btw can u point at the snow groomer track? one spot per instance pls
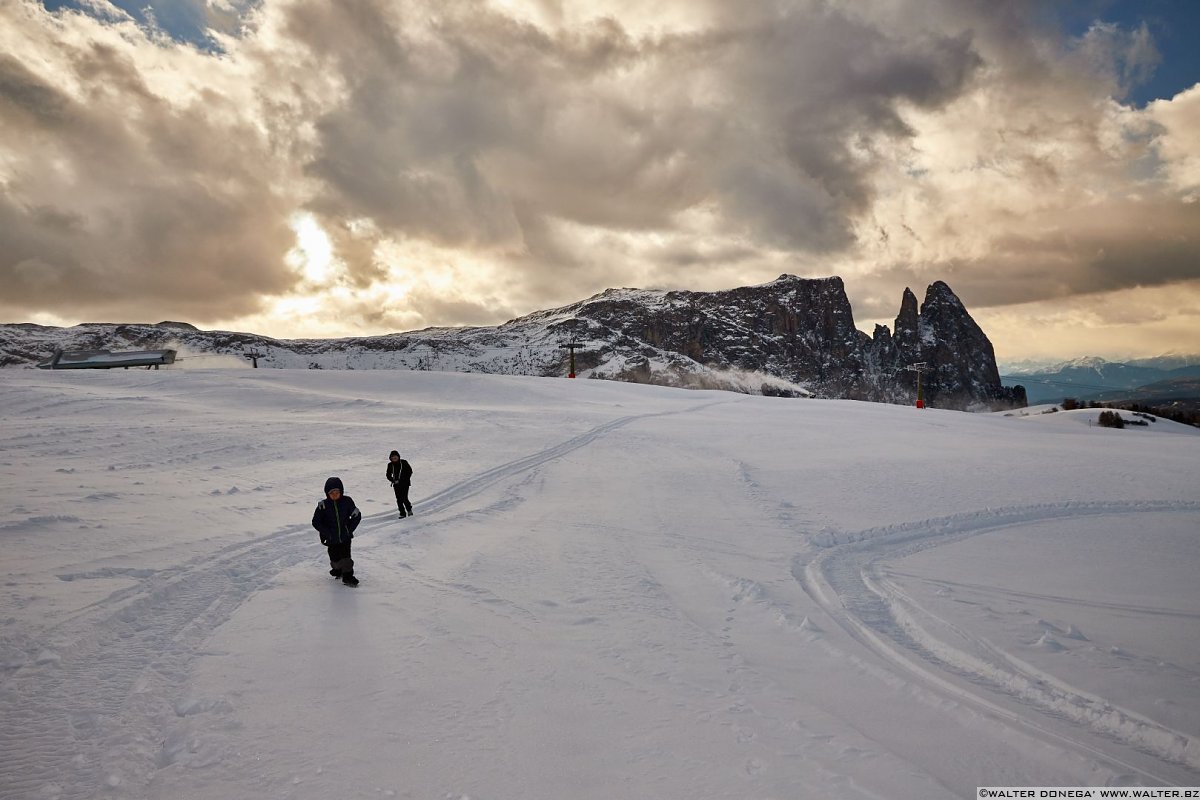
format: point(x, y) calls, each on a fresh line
point(849, 575)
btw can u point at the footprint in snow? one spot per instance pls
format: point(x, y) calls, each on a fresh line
point(1070, 633)
point(1049, 644)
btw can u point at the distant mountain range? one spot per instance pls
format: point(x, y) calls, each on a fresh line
point(1037, 366)
point(1171, 376)
point(792, 336)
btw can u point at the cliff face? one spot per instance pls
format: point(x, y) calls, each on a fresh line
point(799, 330)
point(789, 336)
point(803, 331)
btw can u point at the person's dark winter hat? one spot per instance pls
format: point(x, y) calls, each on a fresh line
point(395, 453)
point(334, 483)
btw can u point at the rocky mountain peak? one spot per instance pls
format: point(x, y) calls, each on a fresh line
point(938, 293)
point(960, 363)
point(906, 333)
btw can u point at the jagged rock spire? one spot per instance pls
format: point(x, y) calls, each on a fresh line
point(907, 334)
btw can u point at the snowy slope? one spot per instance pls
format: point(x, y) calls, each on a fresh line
point(608, 590)
point(530, 346)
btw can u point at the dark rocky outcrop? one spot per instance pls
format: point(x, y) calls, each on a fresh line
point(959, 364)
point(802, 330)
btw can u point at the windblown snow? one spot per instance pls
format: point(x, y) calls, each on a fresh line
point(607, 591)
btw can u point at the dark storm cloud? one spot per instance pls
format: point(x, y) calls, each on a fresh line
point(1121, 246)
point(118, 204)
point(437, 305)
point(822, 90)
point(445, 133)
point(27, 100)
point(1148, 244)
point(449, 128)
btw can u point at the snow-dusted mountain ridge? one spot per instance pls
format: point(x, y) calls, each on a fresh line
point(792, 336)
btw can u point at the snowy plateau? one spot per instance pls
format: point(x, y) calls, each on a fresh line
point(790, 337)
point(608, 590)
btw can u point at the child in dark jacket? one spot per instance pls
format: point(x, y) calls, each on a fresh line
point(335, 519)
point(399, 472)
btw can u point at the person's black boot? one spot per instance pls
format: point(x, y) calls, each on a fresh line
point(350, 580)
point(337, 573)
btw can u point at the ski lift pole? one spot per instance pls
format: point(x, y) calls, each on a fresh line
point(919, 368)
point(571, 329)
point(571, 347)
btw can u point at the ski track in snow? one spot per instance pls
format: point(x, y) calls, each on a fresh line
point(102, 679)
point(846, 575)
point(474, 485)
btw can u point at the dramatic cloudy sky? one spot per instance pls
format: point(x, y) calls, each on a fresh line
point(344, 167)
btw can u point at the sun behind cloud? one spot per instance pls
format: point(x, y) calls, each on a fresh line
point(312, 257)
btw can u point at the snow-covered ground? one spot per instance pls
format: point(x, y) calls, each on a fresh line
point(608, 591)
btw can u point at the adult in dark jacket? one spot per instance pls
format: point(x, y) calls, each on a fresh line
point(399, 472)
point(335, 519)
